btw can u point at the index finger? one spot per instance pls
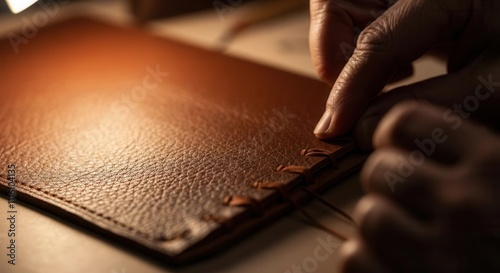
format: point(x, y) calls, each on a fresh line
point(402, 34)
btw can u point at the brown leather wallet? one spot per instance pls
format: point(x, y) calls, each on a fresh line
point(171, 149)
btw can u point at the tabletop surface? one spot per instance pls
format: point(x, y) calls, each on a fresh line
point(48, 244)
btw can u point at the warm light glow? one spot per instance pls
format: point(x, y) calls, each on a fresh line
point(17, 6)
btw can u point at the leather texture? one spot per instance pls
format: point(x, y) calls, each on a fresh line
point(141, 139)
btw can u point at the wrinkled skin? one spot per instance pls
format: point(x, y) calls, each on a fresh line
point(401, 34)
point(440, 215)
point(433, 208)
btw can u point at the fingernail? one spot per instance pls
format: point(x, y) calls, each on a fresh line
point(323, 124)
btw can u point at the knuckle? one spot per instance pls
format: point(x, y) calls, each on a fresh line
point(399, 120)
point(356, 62)
point(350, 254)
point(375, 37)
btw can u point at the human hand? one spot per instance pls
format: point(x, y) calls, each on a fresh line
point(404, 32)
point(432, 204)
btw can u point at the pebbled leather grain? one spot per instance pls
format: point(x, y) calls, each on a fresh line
point(141, 139)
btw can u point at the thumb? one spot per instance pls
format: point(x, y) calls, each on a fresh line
point(398, 37)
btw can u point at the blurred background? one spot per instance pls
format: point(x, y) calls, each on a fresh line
point(273, 32)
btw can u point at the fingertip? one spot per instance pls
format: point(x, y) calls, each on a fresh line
point(332, 125)
point(322, 128)
point(330, 133)
point(327, 128)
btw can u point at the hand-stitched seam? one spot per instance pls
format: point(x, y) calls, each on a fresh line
point(243, 201)
point(221, 220)
point(306, 173)
point(228, 200)
point(320, 153)
point(300, 170)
